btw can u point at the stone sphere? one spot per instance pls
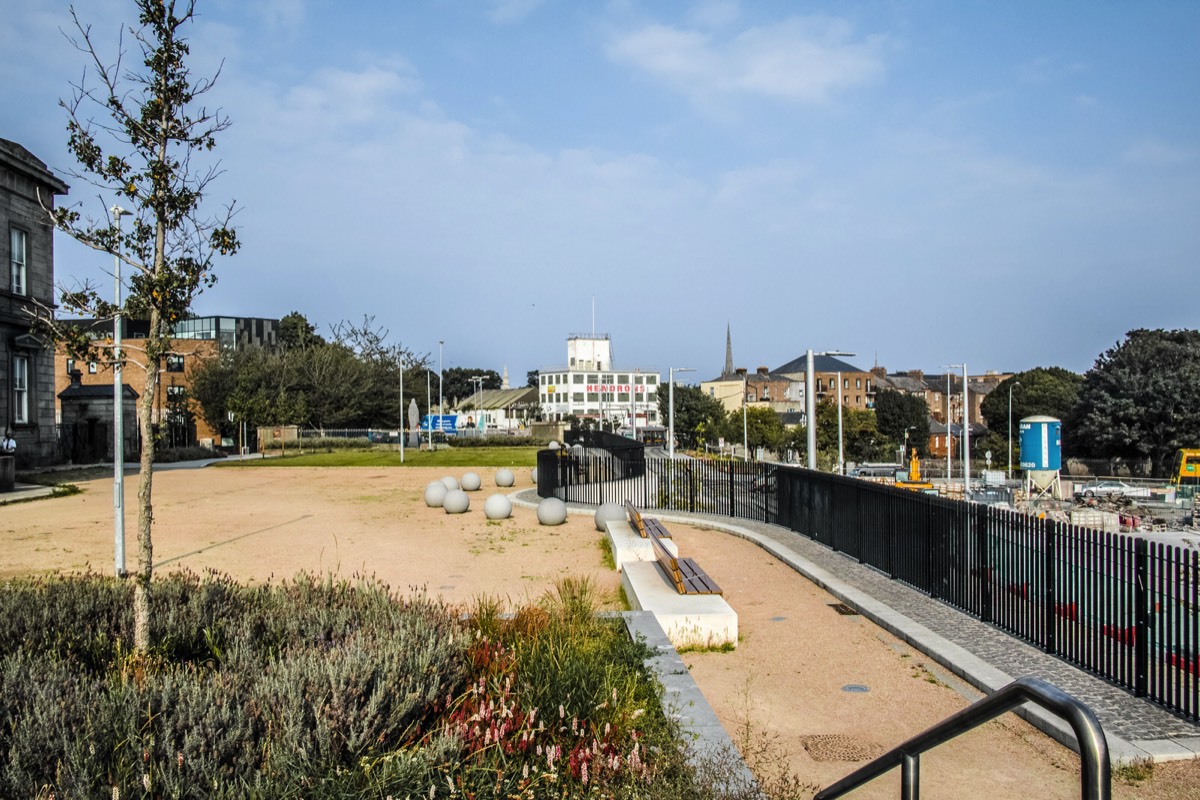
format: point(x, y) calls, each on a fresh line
point(552, 511)
point(450, 482)
point(497, 506)
point(553, 445)
point(470, 482)
point(577, 449)
point(533, 475)
point(505, 477)
point(435, 494)
point(456, 502)
point(608, 512)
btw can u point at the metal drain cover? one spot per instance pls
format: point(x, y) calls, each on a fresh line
point(843, 609)
point(839, 747)
point(778, 619)
point(856, 688)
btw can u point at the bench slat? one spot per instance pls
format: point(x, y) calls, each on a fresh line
point(684, 573)
point(696, 579)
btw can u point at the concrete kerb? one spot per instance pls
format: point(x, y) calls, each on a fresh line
point(684, 702)
point(971, 668)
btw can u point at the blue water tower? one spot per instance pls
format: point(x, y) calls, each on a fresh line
point(1041, 450)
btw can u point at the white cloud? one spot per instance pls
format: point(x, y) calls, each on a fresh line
point(1157, 153)
point(804, 60)
point(336, 98)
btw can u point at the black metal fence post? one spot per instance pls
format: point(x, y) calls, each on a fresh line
point(732, 507)
point(1050, 610)
point(983, 563)
point(1141, 613)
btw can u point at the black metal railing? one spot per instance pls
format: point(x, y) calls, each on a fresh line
point(729, 488)
point(1119, 606)
point(1095, 782)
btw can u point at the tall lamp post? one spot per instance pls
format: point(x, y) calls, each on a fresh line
point(745, 425)
point(118, 412)
point(841, 454)
point(402, 410)
point(810, 404)
point(441, 400)
point(966, 437)
point(949, 437)
point(1013, 385)
point(671, 407)
point(477, 382)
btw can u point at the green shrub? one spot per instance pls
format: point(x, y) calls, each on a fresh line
point(319, 688)
point(498, 441)
point(169, 455)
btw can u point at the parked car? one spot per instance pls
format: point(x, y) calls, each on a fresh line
point(1110, 488)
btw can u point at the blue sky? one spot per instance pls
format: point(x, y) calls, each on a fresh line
point(1007, 184)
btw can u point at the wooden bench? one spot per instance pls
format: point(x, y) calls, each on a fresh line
point(644, 525)
point(684, 573)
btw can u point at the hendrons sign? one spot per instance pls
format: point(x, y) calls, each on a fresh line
point(614, 387)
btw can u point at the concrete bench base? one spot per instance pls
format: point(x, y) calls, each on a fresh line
point(627, 546)
point(689, 620)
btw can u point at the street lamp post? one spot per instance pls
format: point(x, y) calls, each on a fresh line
point(810, 404)
point(841, 454)
point(671, 407)
point(428, 409)
point(118, 412)
point(402, 409)
point(1013, 385)
point(949, 437)
point(966, 437)
point(477, 381)
point(441, 400)
point(745, 425)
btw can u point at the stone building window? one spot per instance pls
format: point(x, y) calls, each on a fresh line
point(20, 390)
point(18, 255)
point(175, 363)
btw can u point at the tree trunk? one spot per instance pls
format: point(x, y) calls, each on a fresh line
point(141, 591)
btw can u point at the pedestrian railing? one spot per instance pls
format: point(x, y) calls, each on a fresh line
point(1119, 606)
point(1094, 776)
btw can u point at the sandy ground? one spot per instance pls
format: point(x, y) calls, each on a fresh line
point(784, 684)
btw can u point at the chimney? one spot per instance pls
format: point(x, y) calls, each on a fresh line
point(763, 371)
point(76, 378)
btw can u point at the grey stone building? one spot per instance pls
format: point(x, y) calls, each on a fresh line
point(26, 361)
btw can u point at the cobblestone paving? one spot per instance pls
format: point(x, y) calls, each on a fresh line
point(1120, 713)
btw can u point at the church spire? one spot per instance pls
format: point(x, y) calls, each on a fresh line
point(728, 351)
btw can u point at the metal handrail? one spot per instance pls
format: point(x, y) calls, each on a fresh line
point(1094, 776)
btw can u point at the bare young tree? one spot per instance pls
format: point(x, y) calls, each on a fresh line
point(140, 134)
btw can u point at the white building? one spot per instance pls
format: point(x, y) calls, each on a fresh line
point(590, 387)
